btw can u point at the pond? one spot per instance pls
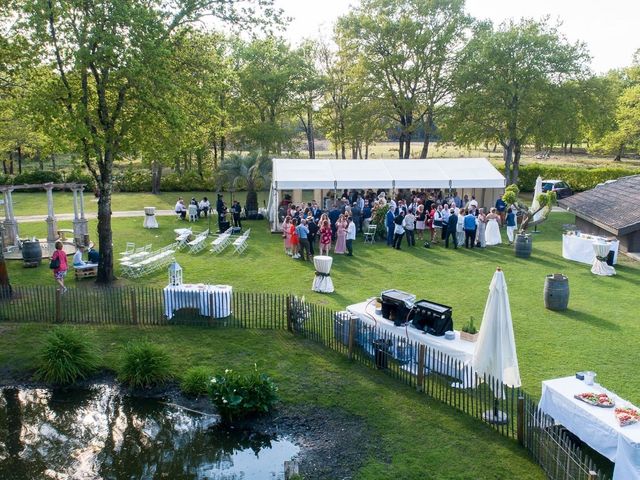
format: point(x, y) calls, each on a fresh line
point(101, 434)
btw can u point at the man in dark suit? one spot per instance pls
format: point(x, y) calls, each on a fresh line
point(451, 228)
point(313, 232)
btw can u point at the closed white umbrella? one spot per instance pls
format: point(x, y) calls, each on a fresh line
point(535, 205)
point(495, 352)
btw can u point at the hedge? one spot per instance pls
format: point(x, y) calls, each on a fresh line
point(579, 178)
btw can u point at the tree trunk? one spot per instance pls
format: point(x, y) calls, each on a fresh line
point(105, 237)
point(223, 146)
point(618, 157)
point(215, 153)
point(19, 153)
point(11, 163)
point(507, 155)
point(401, 145)
point(177, 164)
point(407, 146)
point(53, 162)
point(38, 158)
point(311, 144)
point(571, 148)
point(516, 163)
point(366, 150)
point(4, 165)
point(156, 176)
point(427, 136)
point(199, 159)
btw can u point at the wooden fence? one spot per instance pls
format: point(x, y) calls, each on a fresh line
point(432, 372)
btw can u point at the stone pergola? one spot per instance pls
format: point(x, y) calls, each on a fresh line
point(80, 223)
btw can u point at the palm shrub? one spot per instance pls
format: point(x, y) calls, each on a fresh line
point(237, 396)
point(196, 381)
point(145, 365)
point(66, 356)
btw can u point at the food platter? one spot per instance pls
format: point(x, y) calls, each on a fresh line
point(596, 399)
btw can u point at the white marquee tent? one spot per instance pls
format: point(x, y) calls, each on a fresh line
point(474, 175)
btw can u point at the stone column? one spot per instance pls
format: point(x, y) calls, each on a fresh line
point(82, 224)
point(11, 235)
point(52, 224)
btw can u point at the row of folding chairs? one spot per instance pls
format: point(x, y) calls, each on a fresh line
point(240, 243)
point(154, 261)
point(136, 253)
point(199, 242)
point(221, 241)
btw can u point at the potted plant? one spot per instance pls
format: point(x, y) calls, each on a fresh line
point(542, 203)
point(469, 331)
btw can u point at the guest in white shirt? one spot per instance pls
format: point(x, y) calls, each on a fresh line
point(351, 236)
point(77, 258)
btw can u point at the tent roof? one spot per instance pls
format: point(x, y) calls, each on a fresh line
point(429, 173)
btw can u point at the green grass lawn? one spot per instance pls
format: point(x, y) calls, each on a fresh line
point(416, 438)
point(599, 331)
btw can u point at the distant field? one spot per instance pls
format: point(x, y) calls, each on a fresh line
point(448, 150)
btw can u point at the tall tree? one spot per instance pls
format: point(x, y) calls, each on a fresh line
point(111, 57)
point(268, 74)
point(409, 50)
point(506, 81)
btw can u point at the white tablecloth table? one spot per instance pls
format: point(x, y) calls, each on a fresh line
point(202, 297)
point(150, 217)
point(457, 349)
point(322, 281)
point(598, 427)
point(600, 267)
point(580, 248)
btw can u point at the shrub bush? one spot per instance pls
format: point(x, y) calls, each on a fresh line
point(236, 396)
point(78, 176)
point(66, 356)
point(185, 182)
point(196, 381)
point(37, 176)
point(132, 180)
point(145, 365)
point(579, 178)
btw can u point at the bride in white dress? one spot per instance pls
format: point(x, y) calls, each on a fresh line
point(492, 232)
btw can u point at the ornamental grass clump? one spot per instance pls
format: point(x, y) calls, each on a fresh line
point(145, 365)
point(237, 396)
point(196, 381)
point(66, 356)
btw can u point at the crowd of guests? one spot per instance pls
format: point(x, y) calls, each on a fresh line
point(426, 216)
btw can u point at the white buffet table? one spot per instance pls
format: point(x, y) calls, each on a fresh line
point(203, 297)
point(150, 218)
point(580, 248)
point(598, 427)
point(457, 349)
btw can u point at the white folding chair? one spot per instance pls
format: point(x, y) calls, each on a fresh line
point(193, 213)
point(129, 248)
point(370, 234)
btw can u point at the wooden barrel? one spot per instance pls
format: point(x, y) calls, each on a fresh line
point(523, 246)
point(556, 292)
point(31, 253)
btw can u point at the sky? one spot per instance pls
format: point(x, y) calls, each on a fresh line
point(609, 28)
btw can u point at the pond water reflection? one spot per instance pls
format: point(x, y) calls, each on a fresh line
point(101, 434)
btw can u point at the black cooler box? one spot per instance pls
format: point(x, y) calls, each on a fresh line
point(396, 305)
point(432, 317)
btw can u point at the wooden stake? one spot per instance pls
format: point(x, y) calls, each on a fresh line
point(352, 334)
point(520, 426)
point(421, 354)
point(134, 307)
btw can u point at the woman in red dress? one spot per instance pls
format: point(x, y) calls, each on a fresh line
point(325, 237)
point(295, 241)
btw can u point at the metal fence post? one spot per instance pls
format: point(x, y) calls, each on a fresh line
point(352, 335)
point(520, 425)
point(289, 319)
